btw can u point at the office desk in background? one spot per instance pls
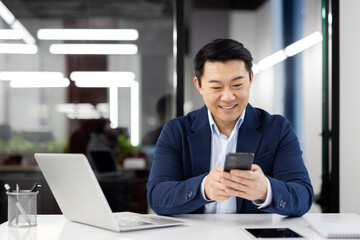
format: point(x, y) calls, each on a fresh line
point(199, 226)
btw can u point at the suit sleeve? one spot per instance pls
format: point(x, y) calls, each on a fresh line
point(291, 186)
point(168, 193)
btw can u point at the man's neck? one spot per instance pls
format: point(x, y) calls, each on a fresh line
point(226, 129)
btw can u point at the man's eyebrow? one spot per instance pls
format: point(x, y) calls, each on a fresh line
point(238, 77)
point(218, 81)
point(214, 81)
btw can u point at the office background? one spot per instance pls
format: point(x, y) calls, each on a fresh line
point(37, 115)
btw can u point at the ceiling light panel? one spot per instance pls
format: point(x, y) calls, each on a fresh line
point(9, 34)
point(94, 49)
point(41, 83)
point(88, 34)
point(29, 76)
point(18, 48)
point(102, 75)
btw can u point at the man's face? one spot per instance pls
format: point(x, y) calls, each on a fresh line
point(225, 89)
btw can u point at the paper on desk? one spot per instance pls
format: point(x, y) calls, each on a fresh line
point(337, 230)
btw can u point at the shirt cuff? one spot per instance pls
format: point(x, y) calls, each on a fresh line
point(268, 199)
point(203, 189)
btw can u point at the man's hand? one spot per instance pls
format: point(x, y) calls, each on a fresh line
point(214, 189)
point(251, 185)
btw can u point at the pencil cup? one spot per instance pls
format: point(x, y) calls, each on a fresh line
point(22, 208)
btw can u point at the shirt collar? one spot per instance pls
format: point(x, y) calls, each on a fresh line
point(215, 128)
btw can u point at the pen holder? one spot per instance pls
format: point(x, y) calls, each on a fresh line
point(22, 208)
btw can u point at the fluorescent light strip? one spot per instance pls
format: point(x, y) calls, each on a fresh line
point(84, 115)
point(29, 76)
point(102, 75)
point(104, 83)
point(88, 34)
point(135, 120)
point(289, 51)
point(72, 107)
point(50, 83)
point(6, 14)
point(255, 68)
point(65, 107)
point(18, 48)
point(103, 108)
point(272, 60)
point(303, 44)
point(9, 34)
point(94, 49)
point(113, 102)
point(26, 36)
point(83, 110)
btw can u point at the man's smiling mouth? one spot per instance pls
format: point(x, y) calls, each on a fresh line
point(229, 107)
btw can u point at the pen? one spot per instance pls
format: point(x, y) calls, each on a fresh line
point(7, 187)
point(35, 188)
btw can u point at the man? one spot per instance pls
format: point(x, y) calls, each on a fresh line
point(187, 173)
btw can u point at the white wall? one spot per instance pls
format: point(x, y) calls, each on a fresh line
point(312, 97)
point(349, 106)
point(253, 29)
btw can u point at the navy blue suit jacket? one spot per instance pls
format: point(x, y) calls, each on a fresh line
point(182, 160)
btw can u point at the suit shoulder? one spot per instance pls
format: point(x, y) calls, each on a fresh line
point(271, 119)
point(183, 122)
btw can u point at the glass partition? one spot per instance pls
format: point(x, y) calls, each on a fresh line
point(80, 72)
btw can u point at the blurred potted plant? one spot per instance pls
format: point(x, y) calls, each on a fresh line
point(17, 148)
point(128, 152)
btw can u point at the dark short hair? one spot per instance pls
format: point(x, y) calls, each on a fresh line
point(221, 50)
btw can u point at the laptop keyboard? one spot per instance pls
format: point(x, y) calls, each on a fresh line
point(130, 222)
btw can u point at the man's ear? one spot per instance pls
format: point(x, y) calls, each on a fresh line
point(197, 84)
point(251, 77)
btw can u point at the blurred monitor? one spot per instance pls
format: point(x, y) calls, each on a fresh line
point(103, 162)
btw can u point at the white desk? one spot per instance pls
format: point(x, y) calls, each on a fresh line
point(199, 227)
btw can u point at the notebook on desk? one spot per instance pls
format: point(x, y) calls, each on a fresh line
point(80, 198)
point(337, 230)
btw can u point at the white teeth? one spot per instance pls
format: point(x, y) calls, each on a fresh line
point(228, 107)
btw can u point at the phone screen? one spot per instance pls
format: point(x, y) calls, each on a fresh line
point(273, 233)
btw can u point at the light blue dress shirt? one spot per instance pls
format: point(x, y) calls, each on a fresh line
point(220, 146)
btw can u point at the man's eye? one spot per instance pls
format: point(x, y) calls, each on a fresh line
point(237, 85)
point(216, 88)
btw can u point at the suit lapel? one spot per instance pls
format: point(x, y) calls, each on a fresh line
point(200, 143)
point(248, 139)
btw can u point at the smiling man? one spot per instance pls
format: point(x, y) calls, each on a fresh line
point(187, 174)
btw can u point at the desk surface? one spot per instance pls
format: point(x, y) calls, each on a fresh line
point(198, 227)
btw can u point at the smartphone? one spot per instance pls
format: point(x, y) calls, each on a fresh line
point(239, 160)
point(273, 233)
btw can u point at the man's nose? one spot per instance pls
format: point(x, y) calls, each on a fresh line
point(227, 95)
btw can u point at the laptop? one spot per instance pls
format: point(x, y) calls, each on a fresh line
point(80, 198)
